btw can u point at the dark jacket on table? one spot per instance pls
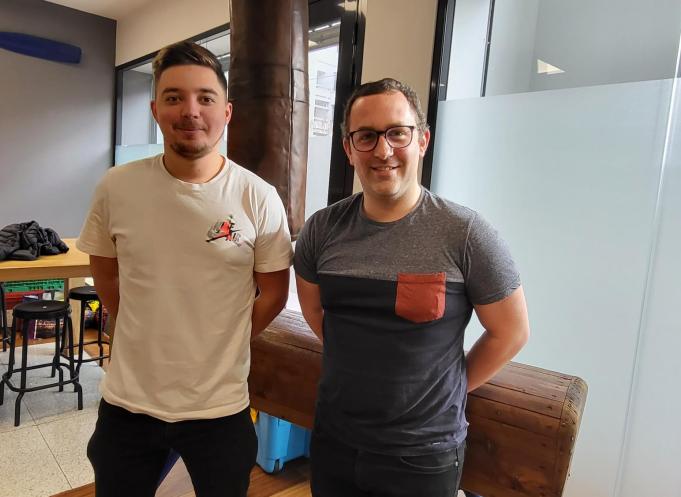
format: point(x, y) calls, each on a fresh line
point(27, 241)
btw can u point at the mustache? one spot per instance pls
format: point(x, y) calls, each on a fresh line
point(188, 124)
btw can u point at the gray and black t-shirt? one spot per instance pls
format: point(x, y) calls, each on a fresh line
point(397, 297)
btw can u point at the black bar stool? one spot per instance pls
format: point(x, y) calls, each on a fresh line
point(54, 310)
point(3, 318)
point(86, 294)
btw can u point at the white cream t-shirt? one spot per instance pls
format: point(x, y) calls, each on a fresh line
point(186, 256)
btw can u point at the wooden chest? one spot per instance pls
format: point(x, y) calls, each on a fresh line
point(523, 422)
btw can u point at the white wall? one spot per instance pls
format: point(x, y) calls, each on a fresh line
point(162, 22)
point(398, 42)
point(56, 124)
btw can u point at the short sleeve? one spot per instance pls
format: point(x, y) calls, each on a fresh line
point(273, 250)
point(490, 274)
point(95, 236)
point(305, 260)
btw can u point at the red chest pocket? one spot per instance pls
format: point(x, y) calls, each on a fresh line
point(420, 297)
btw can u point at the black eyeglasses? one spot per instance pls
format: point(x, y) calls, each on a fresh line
point(365, 140)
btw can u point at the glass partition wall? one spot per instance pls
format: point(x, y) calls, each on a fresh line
point(559, 125)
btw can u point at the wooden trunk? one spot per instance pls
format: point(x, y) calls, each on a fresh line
point(523, 422)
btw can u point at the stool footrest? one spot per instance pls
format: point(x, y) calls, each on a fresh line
point(95, 358)
point(8, 381)
point(93, 342)
point(40, 387)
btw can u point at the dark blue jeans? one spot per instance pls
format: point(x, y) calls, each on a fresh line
point(128, 452)
point(338, 470)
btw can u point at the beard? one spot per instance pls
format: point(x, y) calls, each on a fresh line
point(192, 150)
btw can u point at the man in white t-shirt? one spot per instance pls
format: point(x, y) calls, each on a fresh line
point(180, 244)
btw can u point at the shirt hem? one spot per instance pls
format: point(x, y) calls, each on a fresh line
point(94, 250)
point(212, 413)
point(272, 267)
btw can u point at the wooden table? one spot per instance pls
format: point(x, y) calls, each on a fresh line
point(72, 264)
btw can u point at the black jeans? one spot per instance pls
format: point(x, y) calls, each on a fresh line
point(128, 451)
point(338, 470)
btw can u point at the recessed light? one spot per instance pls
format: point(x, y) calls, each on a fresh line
point(546, 68)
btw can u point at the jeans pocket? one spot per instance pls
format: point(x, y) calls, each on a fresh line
point(420, 297)
point(432, 463)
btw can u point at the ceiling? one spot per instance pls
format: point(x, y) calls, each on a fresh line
point(113, 9)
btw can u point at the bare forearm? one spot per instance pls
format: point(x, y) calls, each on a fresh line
point(108, 295)
point(488, 355)
point(314, 319)
point(310, 300)
point(105, 273)
point(265, 309)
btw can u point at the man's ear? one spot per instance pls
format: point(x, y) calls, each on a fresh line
point(424, 140)
point(346, 147)
point(153, 110)
point(228, 112)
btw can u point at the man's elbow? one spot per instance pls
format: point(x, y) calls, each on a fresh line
point(274, 300)
point(281, 301)
point(521, 337)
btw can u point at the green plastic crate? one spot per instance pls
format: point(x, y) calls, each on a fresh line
point(34, 285)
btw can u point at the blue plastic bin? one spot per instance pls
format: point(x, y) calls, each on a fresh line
point(279, 442)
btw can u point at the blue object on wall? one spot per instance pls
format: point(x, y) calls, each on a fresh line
point(40, 47)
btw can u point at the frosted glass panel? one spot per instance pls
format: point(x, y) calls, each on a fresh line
point(570, 178)
point(654, 433)
point(127, 153)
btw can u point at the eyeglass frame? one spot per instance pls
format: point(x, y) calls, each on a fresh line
point(382, 133)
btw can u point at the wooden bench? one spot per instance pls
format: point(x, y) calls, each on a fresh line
point(523, 422)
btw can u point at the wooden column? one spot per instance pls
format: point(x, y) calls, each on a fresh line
point(268, 87)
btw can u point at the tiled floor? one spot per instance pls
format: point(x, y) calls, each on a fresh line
point(45, 455)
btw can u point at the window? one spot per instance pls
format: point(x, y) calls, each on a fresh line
point(556, 121)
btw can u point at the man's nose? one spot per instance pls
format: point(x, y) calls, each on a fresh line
point(190, 107)
point(383, 149)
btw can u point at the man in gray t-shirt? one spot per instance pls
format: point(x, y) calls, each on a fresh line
point(389, 278)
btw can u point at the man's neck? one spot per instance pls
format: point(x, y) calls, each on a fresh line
point(388, 210)
point(199, 170)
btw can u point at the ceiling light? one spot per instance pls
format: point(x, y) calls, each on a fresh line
point(546, 68)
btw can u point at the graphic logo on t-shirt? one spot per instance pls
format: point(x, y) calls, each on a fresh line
point(224, 229)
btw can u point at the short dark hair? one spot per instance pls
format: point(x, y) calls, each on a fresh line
point(386, 85)
point(186, 53)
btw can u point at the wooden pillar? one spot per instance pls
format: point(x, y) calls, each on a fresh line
point(268, 87)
